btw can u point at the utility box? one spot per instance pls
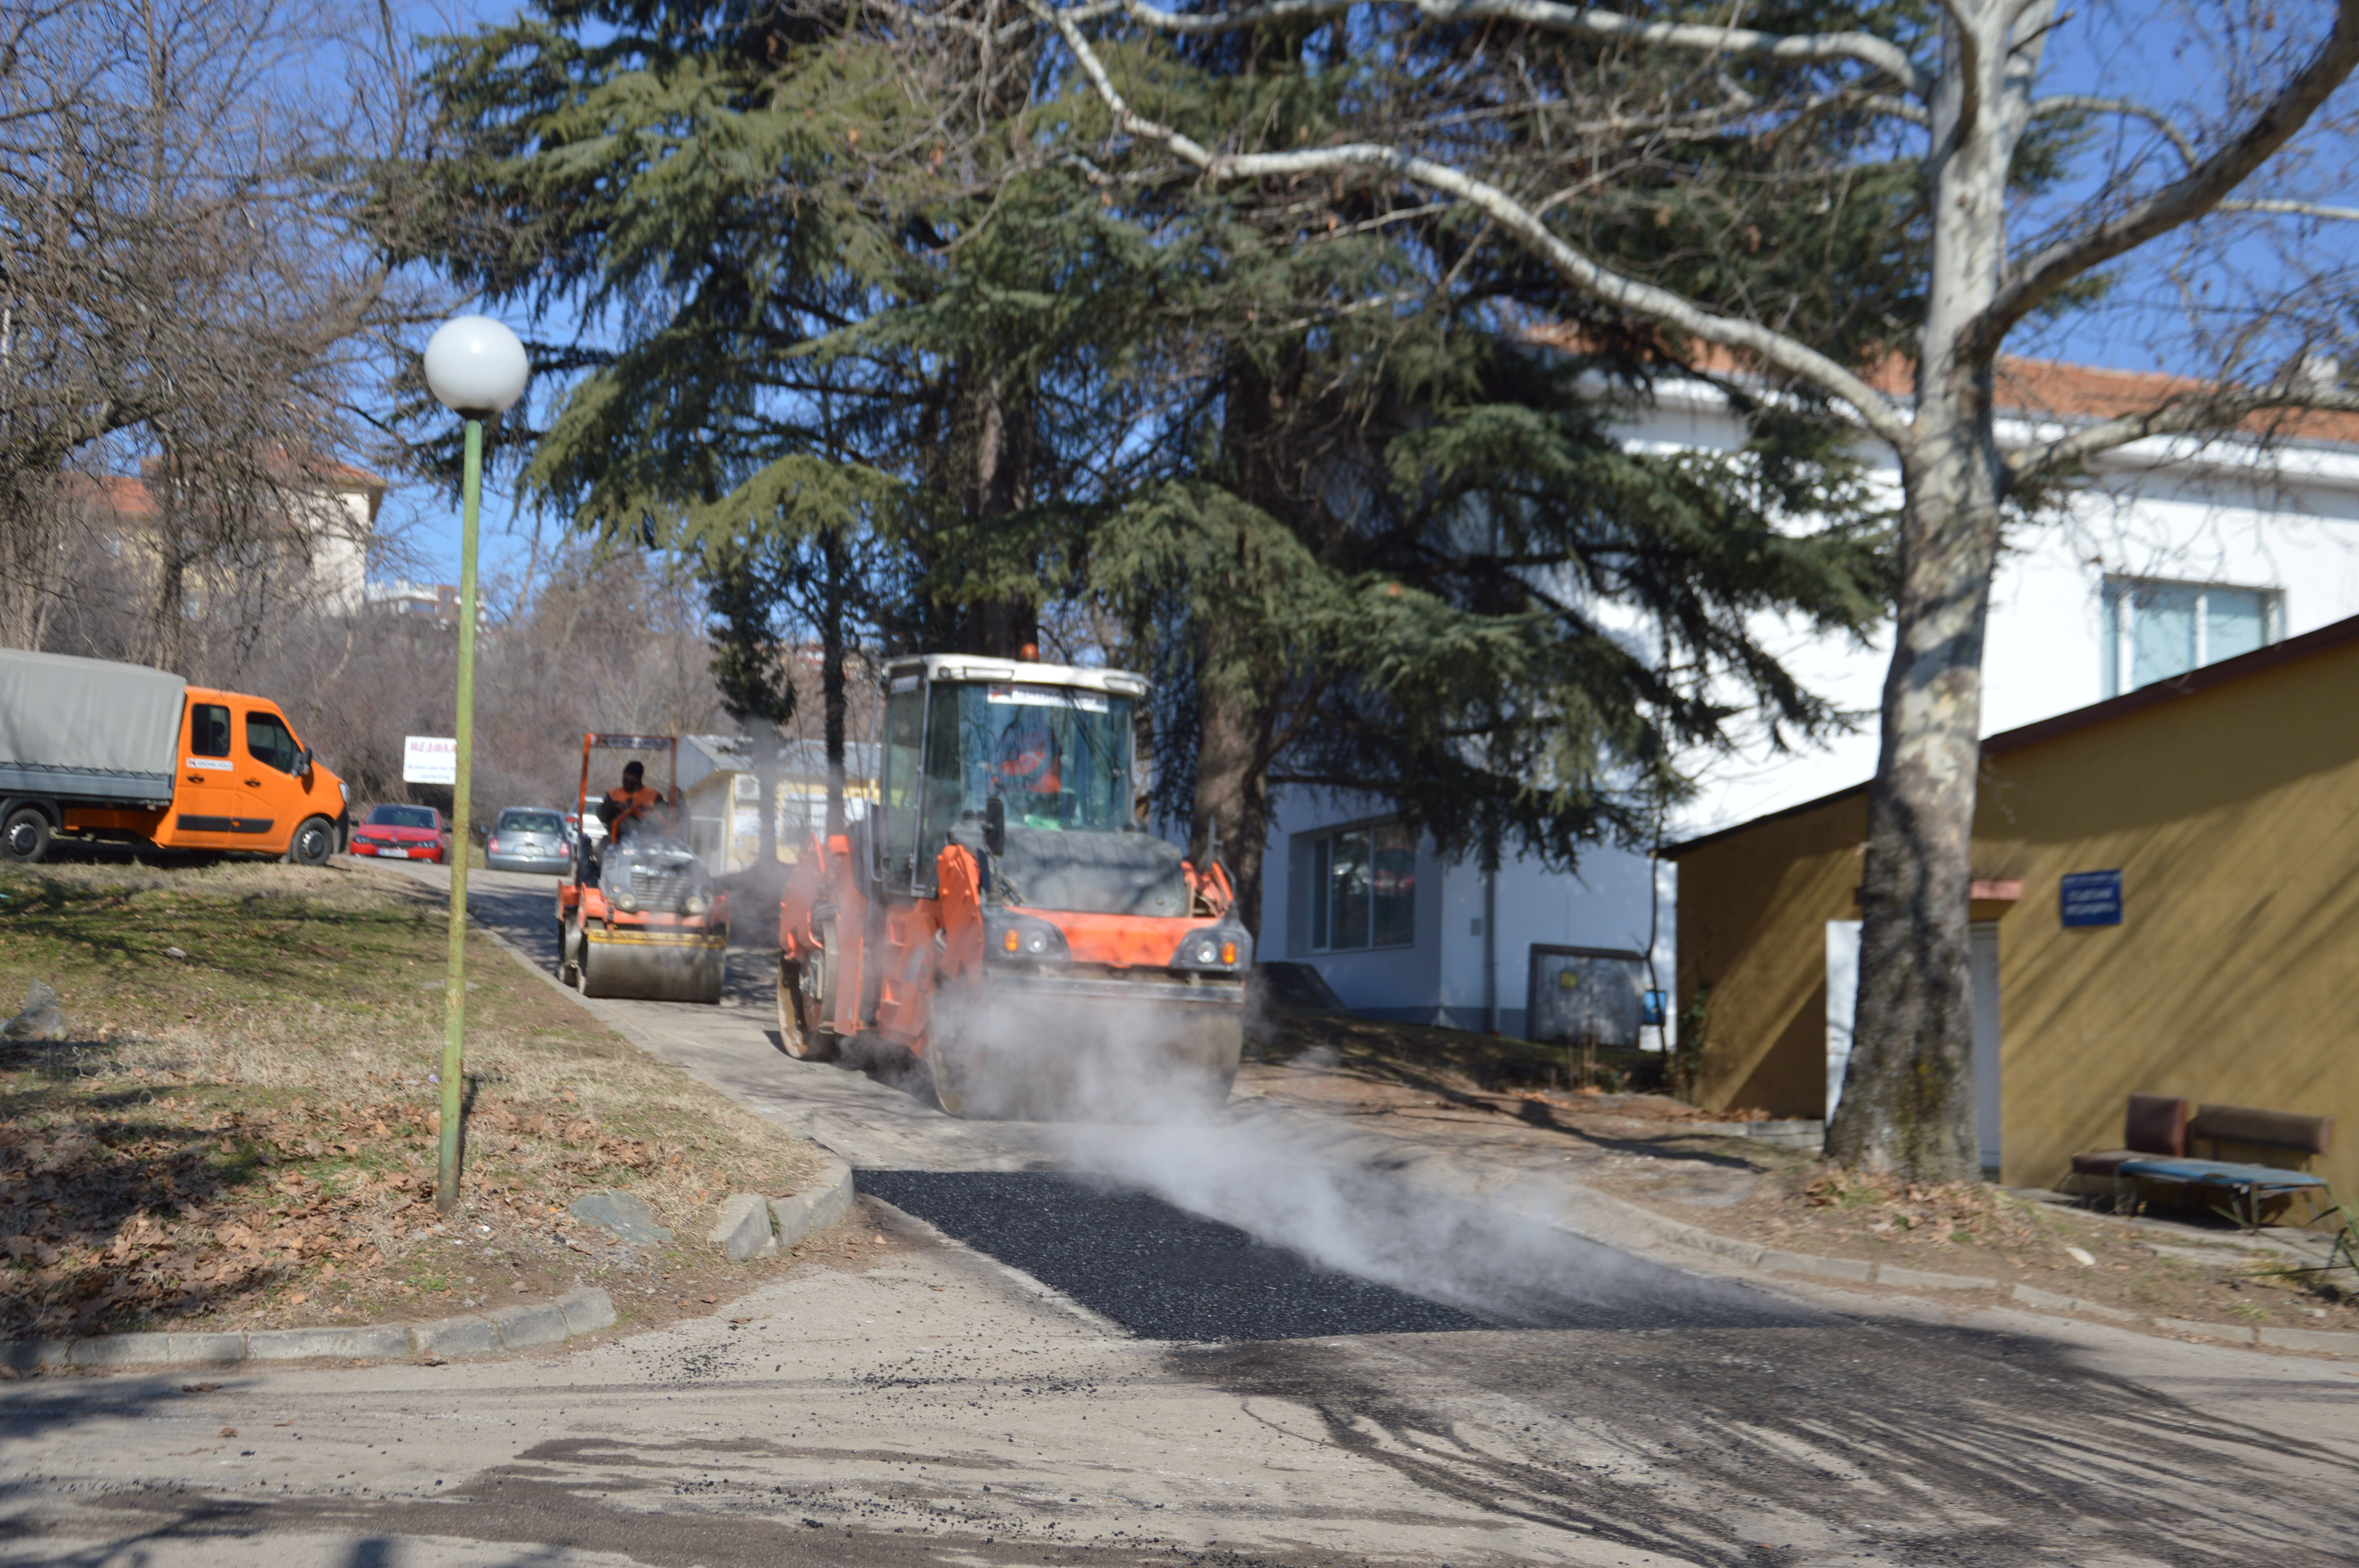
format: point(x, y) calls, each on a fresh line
point(1585, 996)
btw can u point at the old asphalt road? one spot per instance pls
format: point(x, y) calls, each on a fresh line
point(1048, 1371)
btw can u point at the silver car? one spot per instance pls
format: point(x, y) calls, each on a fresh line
point(528, 839)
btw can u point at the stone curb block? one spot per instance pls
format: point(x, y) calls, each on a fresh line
point(817, 1206)
point(1923, 1279)
point(119, 1350)
point(586, 1308)
point(34, 1355)
point(2049, 1300)
point(523, 1328)
point(447, 1336)
point(2046, 1300)
point(2311, 1339)
point(209, 1349)
point(2234, 1334)
point(744, 1228)
point(1826, 1268)
point(300, 1344)
point(582, 1310)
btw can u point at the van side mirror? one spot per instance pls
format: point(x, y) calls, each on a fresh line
point(303, 763)
point(994, 825)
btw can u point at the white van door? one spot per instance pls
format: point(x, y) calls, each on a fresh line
point(1984, 935)
point(1842, 1001)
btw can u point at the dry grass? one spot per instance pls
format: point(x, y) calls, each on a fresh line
point(243, 1127)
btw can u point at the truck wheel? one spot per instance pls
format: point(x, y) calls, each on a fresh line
point(25, 840)
point(313, 842)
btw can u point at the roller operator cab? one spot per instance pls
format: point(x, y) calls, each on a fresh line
point(638, 915)
point(1002, 915)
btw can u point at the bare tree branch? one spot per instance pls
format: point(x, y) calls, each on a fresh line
point(2090, 103)
point(1875, 410)
point(1867, 49)
point(2207, 411)
point(2293, 208)
point(2200, 191)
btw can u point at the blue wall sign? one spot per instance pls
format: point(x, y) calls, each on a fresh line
point(2091, 897)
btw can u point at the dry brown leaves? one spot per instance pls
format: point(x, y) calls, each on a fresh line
point(162, 1208)
point(1906, 1211)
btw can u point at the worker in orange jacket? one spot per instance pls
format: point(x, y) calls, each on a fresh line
point(630, 809)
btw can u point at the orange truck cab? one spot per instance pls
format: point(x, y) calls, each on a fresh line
point(94, 749)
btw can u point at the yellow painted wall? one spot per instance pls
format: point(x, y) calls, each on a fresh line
point(2233, 814)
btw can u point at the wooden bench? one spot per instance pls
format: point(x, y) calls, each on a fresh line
point(2160, 1132)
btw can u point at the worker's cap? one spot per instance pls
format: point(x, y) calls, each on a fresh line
point(633, 770)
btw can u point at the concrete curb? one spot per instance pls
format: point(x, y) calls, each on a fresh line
point(819, 1206)
point(582, 1310)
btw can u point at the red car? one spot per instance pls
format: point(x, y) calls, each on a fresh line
point(404, 833)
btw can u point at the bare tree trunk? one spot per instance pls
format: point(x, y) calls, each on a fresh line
point(765, 743)
point(834, 591)
point(1008, 625)
point(1232, 810)
point(1909, 1097)
point(171, 613)
point(1909, 1094)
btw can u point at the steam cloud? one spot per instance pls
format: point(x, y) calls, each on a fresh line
point(1128, 1088)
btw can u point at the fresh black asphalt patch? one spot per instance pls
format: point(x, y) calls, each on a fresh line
point(1164, 1273)
point(1159, 1272)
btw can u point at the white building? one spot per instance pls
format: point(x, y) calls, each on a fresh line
point(2172, 555)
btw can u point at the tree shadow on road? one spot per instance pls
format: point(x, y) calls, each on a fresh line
point(1708, 1446)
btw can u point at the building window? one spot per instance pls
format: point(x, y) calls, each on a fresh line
point(1363, 889)
point(2156, 630)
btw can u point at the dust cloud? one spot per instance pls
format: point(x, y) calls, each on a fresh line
point(1137, 1100)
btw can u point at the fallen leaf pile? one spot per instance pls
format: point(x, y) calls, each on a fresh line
point(172, 1206)
point(241, 1128)
point(1906, 1211)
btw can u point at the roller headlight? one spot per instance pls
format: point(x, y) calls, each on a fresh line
point(1221, 949)
point(697, 902)
point(1023, 937)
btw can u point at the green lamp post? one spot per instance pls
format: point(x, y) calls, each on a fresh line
point(476, 368)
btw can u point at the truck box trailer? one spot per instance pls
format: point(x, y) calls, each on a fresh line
point(94, 749)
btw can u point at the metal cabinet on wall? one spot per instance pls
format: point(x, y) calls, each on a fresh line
point(1585, 996)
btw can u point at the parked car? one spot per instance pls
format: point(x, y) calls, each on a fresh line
point(528, 839)
point(404, 833)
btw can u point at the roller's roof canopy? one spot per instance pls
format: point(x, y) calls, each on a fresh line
point(1019, 672)
point(71, 726)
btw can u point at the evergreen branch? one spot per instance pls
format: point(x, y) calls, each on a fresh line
point(1875, 411)
point(1865, 49)
point(2199, 192)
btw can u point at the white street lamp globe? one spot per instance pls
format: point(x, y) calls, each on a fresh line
point(475, 366)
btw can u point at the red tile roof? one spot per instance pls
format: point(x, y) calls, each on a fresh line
point(2030, 388)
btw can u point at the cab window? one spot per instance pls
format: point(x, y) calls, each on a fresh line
point(269, 743)
point(904, 731)
point(208, 730)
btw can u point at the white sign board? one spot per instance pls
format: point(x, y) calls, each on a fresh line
point(429, 759)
